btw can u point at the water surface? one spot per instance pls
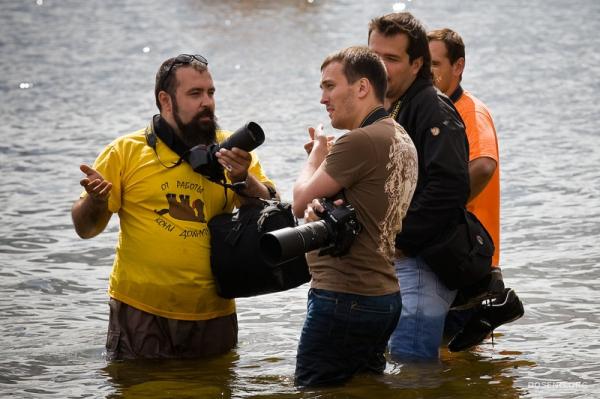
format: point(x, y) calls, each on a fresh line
point(75, 75)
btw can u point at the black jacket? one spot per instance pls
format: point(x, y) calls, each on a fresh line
point(442, 147)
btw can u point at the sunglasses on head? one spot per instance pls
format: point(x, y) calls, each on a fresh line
point(182, 59)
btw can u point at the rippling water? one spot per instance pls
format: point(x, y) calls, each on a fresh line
point(77, 74)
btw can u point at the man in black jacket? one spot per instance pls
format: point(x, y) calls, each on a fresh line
point(443, 182)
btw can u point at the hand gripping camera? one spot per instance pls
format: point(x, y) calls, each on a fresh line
point(203, 160)
point(333, 234)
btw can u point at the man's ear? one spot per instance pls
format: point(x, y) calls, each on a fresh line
point(416, 65)
point(364, 87)
point(458, 67)
point(165, 102)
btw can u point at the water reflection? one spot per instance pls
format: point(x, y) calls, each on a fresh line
point(77, 75)
point(205, 378)
point(468, 375)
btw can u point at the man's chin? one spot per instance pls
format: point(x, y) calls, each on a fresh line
point(337, 125)
point(391, 96)
point(202, 133)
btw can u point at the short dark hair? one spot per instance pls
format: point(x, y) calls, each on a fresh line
point(166, 80)
point(452, 40)
point(360, 62)
point(405, 23)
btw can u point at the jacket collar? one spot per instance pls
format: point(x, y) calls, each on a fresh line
point(417, 86)
point(456, 94)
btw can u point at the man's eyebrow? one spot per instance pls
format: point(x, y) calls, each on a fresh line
point(390, 55)
point(212, 88)
point(325, 81)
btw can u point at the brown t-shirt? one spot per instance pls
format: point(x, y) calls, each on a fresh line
point(377, 166)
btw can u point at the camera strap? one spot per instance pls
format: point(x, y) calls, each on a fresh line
point(159, 128)
point(375, 115)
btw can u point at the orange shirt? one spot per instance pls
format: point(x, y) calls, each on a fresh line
point(483, 142)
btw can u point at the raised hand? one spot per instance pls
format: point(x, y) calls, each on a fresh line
point(236, 161)
point(317, 134)
point(94, 184)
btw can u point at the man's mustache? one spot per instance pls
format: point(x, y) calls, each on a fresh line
point(206, 113)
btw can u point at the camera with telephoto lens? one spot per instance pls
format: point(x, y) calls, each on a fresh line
point(333, 235)
point(203, 160)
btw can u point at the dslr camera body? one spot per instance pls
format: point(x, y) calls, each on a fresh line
point(202, 157)
point(342, 228)
point(333, 235)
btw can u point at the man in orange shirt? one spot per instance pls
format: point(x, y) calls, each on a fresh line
point(448, 62)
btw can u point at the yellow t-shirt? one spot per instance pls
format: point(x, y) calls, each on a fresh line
point(483, 142)
point(162, 261)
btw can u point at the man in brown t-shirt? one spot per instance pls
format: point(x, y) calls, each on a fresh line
point(354, 301)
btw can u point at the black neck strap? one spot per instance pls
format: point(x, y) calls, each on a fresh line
point(375, 115)
point(157, 129)
point(161, 129)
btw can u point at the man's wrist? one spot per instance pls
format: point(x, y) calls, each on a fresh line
point(98, 202)
point(240, 179)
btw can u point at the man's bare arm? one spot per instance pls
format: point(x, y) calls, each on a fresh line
point(237, 162)
point(90, 214)
point(313, 182)
point(481, 171)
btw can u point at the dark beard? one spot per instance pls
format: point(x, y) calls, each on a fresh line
point(196, 131)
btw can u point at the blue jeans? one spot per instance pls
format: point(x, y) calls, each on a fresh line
point(344, 334)
point(425, 303)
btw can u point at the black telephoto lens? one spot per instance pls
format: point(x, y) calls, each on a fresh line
point(248, 137)
point(285, 244)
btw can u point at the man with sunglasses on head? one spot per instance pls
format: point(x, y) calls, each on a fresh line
point(163, 300)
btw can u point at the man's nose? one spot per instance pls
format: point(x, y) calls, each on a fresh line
point(324, 99)
point(207, 101)
point(386, 65)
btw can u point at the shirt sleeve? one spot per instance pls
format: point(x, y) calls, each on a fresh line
point(255, 168)
point(482, 136)
point(257, 171)
point(350, 158)
point(109, 165)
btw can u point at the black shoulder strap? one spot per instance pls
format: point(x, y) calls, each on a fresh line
point(151, 140)
point(159, 128)
point(375, 115)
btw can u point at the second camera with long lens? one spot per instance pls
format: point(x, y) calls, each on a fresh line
point(333, 234)
point(203, 160)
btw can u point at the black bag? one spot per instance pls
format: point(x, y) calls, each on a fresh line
point(235, 259)
point(462, 256)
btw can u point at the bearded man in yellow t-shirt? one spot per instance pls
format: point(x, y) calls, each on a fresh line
point(163, 299)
